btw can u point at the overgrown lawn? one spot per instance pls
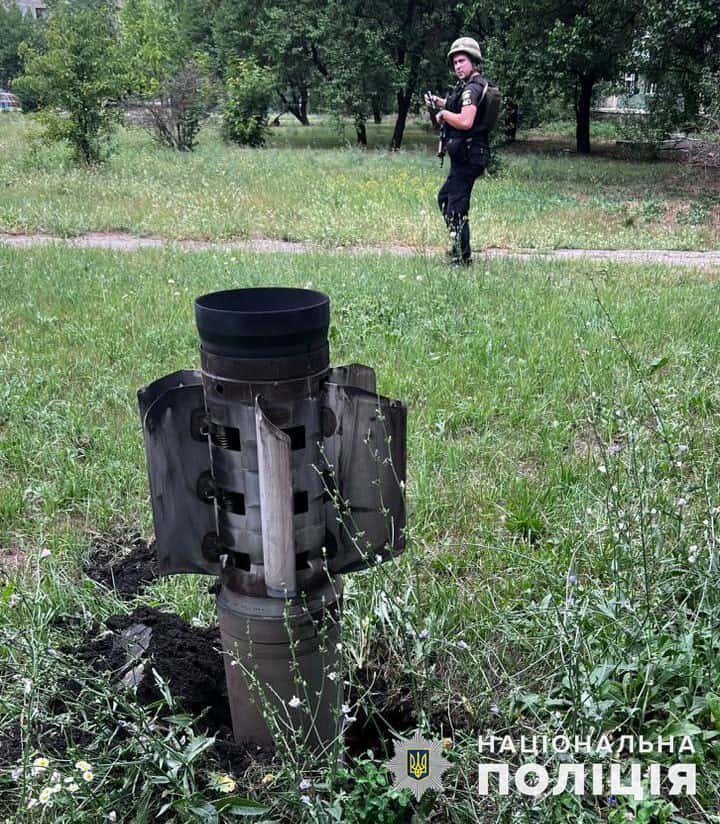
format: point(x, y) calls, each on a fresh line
point(564, 496)
point(306, 186)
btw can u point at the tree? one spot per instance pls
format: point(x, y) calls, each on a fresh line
point(375, 48)
point(587, 44)
point(566, 47)
point(195, 21)
point(17, 29)
point(80, 78)
point(283, 35)
point(356, 67)
point(418, 34)
point(680, 53)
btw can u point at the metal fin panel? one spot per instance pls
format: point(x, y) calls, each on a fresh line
point(354, 374)
point(177, 455)
point(276, 506)
point(366, 467)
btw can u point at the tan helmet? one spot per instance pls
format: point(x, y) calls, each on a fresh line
point(469, 46)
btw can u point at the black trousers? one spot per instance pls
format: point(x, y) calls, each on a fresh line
point(454, 202)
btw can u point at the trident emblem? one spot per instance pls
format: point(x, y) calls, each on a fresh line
point(418, 764)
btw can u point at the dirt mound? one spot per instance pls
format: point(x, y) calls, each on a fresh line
point(187, 658)
point(125, 563)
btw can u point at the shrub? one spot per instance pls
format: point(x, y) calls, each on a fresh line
point(184, 102)
point(245, 118)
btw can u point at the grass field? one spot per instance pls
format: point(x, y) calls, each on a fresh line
point(562, 575)
point(307, 186)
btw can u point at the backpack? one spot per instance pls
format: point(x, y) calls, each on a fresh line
point(490, 113)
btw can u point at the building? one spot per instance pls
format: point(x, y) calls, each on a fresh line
point(35, 8)
point(634, 98)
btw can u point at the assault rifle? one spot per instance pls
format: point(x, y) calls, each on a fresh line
point(433, 110)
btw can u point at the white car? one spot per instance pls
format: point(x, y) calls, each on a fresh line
point(9, 102)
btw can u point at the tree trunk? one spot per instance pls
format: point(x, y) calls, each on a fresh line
point(404, 98)
point(377, 114)
point(361, 132)
point(303, 106)
point(297, 105)
point(403, 106)
point(582, 114)
point(512, 116)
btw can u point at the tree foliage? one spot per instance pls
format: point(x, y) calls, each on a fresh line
point(152, 45)
point(79, 78)
point(286, 36)
point(356, 58)
point(17, 29)
point(680, 53)
point(563, 49)
point(172, 84)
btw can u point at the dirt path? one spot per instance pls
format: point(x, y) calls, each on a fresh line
point(122, 242)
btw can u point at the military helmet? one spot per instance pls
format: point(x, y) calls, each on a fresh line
point(467, 45)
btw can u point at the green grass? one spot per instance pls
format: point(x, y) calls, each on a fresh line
point(294, 190)
point(559, 415)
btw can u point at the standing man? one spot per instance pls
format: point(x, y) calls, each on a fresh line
point(465, 141)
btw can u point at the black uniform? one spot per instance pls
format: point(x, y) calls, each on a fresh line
point(469, 152)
